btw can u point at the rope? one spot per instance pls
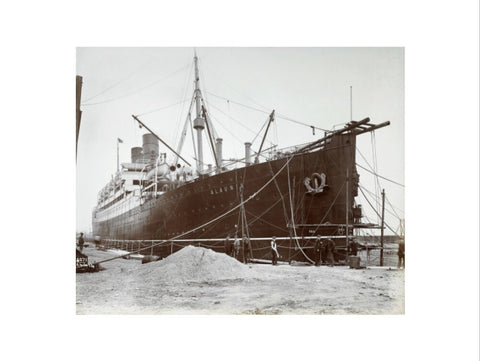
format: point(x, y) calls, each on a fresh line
point(178, 133)
point(263, 126)
point(390, 228)
point(374, 195)
point(136, 91)
point(279, 115)
point(331, 205)
point(236, 120)
point(378, 175)
point(118, 82)
point(226, 128)
point(293, 220)
point(204, 65)
point(281, 196)
point(393, 208)
point(165, 107)
point(376, 181)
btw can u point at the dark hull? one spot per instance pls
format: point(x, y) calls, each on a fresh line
point(268, 212)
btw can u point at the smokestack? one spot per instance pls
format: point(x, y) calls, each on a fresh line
point(136, 153)
point(218, 150)
point(248, 159)
point(150, 146)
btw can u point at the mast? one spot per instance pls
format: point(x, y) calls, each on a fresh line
point(199, 122)
point(270, 120)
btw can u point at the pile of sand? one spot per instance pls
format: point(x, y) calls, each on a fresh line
point(195, 264)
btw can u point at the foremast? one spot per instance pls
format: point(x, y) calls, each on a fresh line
point(199, 122)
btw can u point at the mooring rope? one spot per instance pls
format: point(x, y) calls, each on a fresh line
point(293, 220)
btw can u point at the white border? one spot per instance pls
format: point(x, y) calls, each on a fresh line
point(441, 40)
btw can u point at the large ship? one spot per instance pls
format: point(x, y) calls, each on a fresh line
point(295, 194)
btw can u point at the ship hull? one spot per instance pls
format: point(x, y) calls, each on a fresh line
point(278, 203)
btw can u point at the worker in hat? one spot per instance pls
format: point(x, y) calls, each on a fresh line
point(318, 251)
point(330, 252)
point(275, 255)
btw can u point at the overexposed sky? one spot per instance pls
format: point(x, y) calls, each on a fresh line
point(308, 85)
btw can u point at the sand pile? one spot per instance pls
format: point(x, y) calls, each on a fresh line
point(195, 264)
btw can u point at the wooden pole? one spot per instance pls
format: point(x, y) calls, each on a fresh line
point(381, 230)
point(346, 219)
point(270, 120)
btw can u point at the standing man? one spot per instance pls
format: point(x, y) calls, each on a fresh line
point(401, 253)
point(318, 251)
point(330, 251)
point(236, 248)
point(275, 254)
point(228, 246)
point(353, 248)
point(246, 249)
point(81, 241)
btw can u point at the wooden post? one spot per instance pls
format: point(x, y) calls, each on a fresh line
point(346, 221)
point(381, 231)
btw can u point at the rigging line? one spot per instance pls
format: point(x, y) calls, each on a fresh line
point(239, 122)
point(275, 133)
point(178, 132)
point(231, 125)
point(293, 219)
point(365, 159)
point(264, 212)
point(278, 115)
point(301, 201)
point(226, 129)
point(205, 102)
point(240, 93)
point(162, 108)
point(183, 133)
point(390, 228)
point(375, 181)
point(374, 195)
point(281, 116)
point(280, 193)
point(243, 105)
point(393, 207)
point(120, 81)
point(193, 138)
point(378, 175)
point(138, 90)
point(264, 221)
point(260, 131)
point(331, 205)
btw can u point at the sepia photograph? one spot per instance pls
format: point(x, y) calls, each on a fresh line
point(240, 180)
